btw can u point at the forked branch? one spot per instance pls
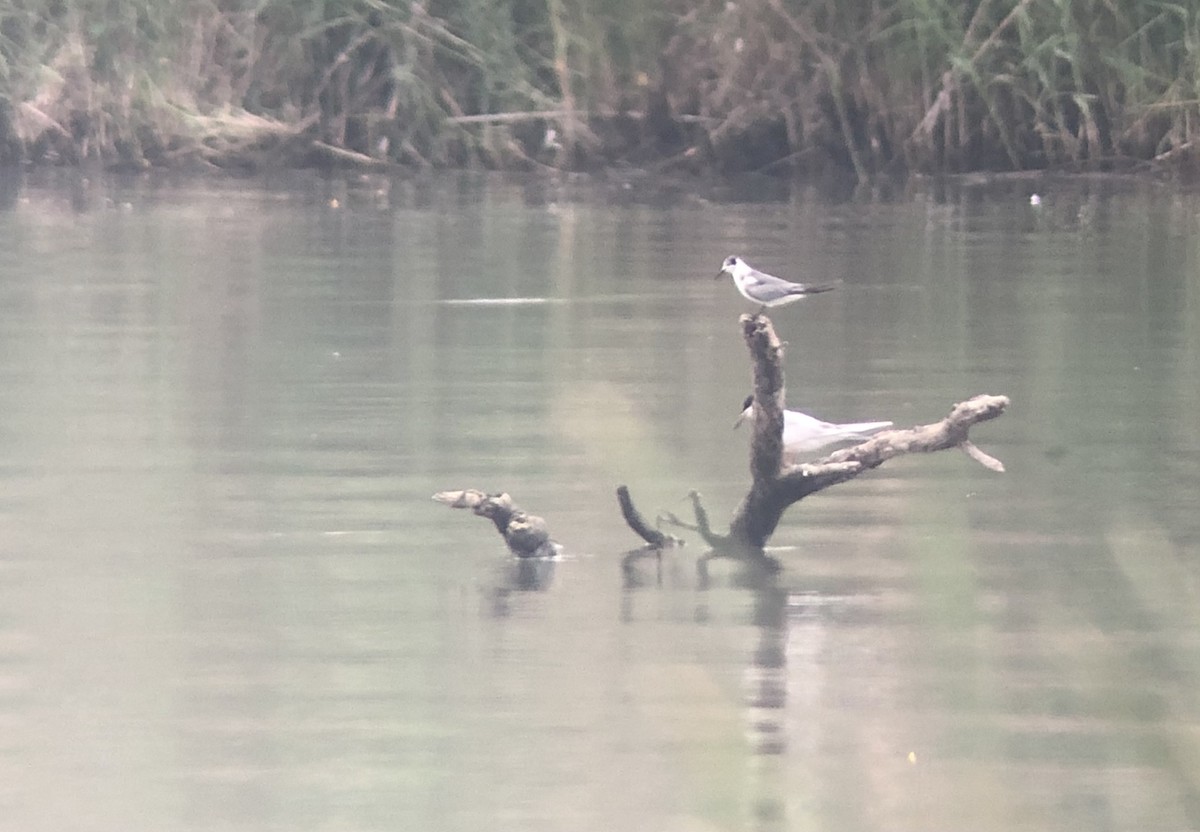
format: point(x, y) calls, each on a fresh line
point(775, 487)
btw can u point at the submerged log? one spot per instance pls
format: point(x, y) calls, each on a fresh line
point(775, 486)
point(526, 534)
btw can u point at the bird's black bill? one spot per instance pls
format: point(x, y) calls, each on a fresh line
point(745, 411)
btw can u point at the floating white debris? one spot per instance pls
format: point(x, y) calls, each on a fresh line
point(1035, 200)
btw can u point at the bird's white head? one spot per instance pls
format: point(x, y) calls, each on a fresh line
point(732, 265)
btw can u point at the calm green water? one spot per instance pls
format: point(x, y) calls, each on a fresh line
point(228, 603)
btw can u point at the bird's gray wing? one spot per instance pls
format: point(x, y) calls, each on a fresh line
point(769, 287)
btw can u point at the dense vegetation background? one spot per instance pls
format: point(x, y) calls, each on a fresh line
point(869, 85)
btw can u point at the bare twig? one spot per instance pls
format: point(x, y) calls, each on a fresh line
point(702, 525)
point(986, 460)
point(676, 521)
point(341, 154)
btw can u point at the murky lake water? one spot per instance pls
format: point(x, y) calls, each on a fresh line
point(227, 601)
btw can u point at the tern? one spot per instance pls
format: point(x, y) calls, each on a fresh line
point(765, 289)
point(803, 434)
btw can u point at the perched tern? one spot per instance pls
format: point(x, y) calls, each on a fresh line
point(803, 434)
point(765, 289)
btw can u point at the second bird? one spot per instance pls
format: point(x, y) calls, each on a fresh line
point(803, 434)
point(765, 289)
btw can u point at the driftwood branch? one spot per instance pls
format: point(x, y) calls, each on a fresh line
point(775, 487)
point(799, 481)
point(526, 534)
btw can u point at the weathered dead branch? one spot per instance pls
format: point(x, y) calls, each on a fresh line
point(654, 538)
point(775, 487)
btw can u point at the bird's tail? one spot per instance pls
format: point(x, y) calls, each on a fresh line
point(866, 427)
point(814, 290)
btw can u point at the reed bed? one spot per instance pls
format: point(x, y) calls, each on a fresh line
point(873, 86)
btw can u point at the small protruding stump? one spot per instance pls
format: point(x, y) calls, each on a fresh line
point(526, 534)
